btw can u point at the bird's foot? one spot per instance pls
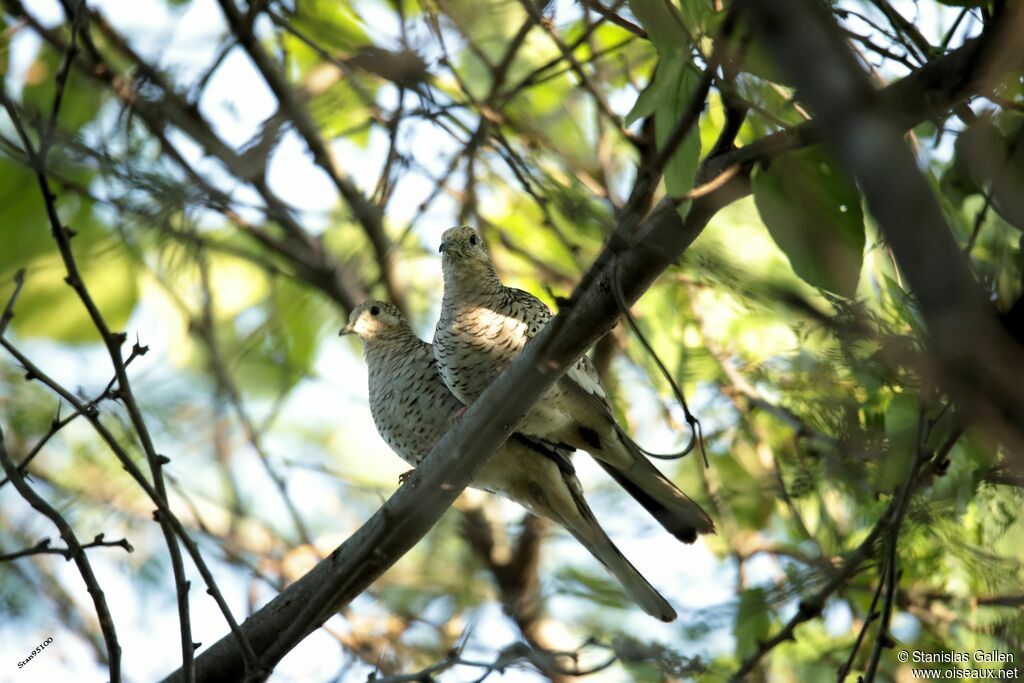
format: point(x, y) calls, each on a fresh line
point(405, 476)
point(459, 415)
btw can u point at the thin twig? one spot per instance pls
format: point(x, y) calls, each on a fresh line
point(58, 423)
point(610, 13)
point(207, 333)
point(869, 618)
point(68, 553)
point(5, 319)
point(577, 68)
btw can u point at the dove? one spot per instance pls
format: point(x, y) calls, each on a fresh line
point(483, 325)
point(412, 408)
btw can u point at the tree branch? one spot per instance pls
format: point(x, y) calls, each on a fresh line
point(62, 235)
point(44, 548)
point(163, 511)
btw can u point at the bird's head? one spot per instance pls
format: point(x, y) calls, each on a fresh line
point(462, 245)
point(465, 262)
point(373, 320)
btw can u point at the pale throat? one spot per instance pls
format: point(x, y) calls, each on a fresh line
point(469, 277)
point(384, 344)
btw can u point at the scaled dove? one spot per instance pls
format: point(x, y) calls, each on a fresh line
point(484, 325)
point(412, 409)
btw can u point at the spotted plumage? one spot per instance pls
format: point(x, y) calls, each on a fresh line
point(413, 408)
point(484, 325)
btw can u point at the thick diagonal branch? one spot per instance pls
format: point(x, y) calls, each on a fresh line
point(416, 507)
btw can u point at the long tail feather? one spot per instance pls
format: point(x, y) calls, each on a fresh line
point(585, 528)
point(672, 508)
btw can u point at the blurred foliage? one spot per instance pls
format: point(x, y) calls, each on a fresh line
point(813, 213)
point(787, 322)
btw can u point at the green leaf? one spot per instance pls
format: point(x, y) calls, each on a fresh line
point(26, 233)
point(49, 308)
point(698, 15)
point(663, 23)
point(338, 110)
point(301, 315)
point(676, 82)
point(275, 355)
point(333, 25)
point(901, 417)
point(985, 150)
point(813, 213)
point(753, 621)
point(644, 105)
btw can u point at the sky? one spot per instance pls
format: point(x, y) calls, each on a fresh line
point(237, 102)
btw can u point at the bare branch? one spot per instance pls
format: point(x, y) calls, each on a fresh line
point(77, 553)
point(5, 319)
point(62, 236)
point(44, 548)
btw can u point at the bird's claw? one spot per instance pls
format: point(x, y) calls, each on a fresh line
point(404, 476)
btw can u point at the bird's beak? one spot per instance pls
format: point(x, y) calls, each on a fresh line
point(348, 329)
point(443, 248)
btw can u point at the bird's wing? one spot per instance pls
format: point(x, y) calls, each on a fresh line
point(529, 309)
point(581, 379)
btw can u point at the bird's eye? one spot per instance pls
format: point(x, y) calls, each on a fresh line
point(472, 240)
point(374, 310)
